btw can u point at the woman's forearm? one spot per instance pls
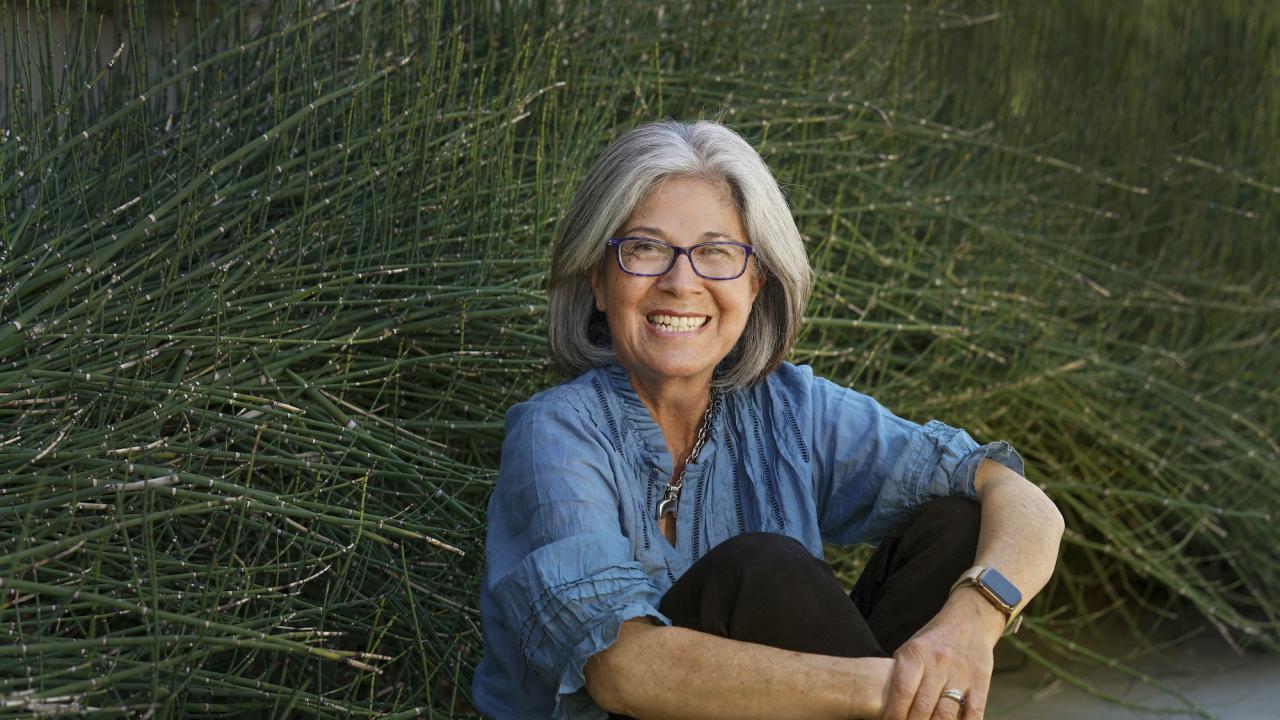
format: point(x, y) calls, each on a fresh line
point(655, 672)
point(1021, 528)
point(1019, 537)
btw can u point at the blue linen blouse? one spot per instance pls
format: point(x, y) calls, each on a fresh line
point(574, 549)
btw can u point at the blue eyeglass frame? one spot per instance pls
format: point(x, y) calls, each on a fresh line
point(677, 251)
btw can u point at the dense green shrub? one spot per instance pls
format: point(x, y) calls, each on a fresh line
point(270, 278)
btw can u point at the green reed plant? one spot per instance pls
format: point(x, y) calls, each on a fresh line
point(271, 273)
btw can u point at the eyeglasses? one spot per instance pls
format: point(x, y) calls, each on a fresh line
point(720, 260)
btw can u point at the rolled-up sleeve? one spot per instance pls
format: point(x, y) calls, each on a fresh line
point(559, 576)
point(874, 467)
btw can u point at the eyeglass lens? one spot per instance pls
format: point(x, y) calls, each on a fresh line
point(710, 260)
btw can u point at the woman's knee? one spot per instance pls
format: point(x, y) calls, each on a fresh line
point(761, 553)
point(769, 589)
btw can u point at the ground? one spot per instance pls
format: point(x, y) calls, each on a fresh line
point(1226, 685)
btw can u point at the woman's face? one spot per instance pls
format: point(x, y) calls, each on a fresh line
point(677, 326)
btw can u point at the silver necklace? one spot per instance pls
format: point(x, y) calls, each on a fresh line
point(671, 497)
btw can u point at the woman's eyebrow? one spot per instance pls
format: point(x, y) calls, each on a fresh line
point(713, 234)
point(646, 230)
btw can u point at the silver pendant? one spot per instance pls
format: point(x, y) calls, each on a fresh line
point(667, 506)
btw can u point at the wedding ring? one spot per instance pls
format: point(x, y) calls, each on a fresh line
point(954, 694)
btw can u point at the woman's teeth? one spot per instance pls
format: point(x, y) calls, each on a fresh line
point(671, 323)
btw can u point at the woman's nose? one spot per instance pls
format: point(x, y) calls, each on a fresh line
point(681, 276)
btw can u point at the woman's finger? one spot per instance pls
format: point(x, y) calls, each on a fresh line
point(979, 684)
point(976, 703)
point(949, 707)
point(930, 672)
point(907, 673)
point(932, 683)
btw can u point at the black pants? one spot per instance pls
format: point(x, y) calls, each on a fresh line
point(766, 588)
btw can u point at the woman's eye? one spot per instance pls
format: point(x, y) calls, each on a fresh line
point(646, 247)
point(714, 252)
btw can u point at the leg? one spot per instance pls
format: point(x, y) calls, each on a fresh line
point(907, 580)
point(766, 588)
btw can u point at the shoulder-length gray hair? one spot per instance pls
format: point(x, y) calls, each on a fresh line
point(618, 181)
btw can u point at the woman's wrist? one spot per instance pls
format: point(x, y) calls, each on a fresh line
point(869, 687)
point(970, 606)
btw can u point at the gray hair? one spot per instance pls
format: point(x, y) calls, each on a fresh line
point(618, 181)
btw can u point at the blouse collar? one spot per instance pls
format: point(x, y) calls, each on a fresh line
point(636, 413)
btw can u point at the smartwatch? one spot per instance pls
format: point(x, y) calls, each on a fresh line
point(997, 589)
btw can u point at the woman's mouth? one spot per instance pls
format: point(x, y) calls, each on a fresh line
point(675, 323)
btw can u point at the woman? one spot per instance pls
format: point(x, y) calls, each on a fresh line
point(655, 533)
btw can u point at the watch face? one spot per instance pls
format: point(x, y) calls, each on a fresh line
point(996, 583)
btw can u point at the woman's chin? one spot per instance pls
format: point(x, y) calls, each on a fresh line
point(672, 369)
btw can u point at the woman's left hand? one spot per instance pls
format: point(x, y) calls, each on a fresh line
point(953, 651)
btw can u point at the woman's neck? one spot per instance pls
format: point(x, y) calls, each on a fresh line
point(677, 405)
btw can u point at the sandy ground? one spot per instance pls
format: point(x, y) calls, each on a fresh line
point(1204, 669)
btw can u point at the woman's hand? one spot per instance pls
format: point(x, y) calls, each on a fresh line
point(953, 651)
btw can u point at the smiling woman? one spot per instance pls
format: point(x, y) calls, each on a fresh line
point(655, 535)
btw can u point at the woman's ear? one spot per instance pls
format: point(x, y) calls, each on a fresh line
point(758, 278)
point(593, 279)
